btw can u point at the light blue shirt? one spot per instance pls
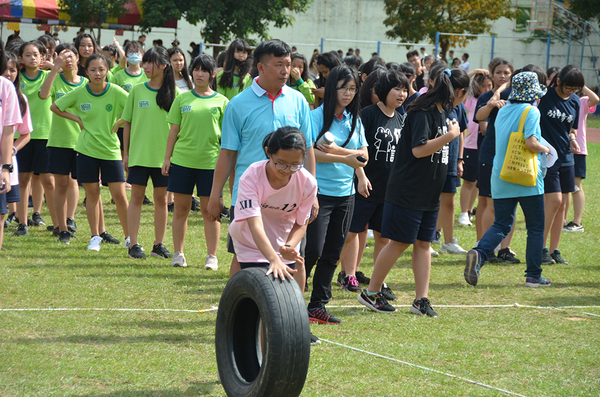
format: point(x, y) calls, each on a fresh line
point(337, 179)
point(251, 115)
point(507, 122)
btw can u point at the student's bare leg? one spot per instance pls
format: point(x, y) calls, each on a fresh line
point(362, 244)
point(481, 208)
point(349, 254)
point(380, 242)
point(182, 208)
point(421, 265)
point(557, 225)
point(161, 214)
point(24, 188)
point(552, 202)
point(489, 214)
point(117, 191)
point(37, 193)
point(12, 207)
point(578, 201)
point(385, 261)
point(92, 194)
point(235, 267)
point(467, 197)
point(2, 219)
point(134, 212)
point(72, 197)
point(212, 229)
point(300, 275)
point(48, 184)
point(446, 216)
point(508, 239)
point(62, 183)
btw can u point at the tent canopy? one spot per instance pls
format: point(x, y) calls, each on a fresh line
point(38, 10)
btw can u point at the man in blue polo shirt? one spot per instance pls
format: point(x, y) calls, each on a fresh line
point(252, 115)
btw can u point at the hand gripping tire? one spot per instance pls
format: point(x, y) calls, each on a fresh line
point(276, 363)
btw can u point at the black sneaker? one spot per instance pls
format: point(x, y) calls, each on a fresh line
point(386, 292)
point(314, 340)
point(84, 200)
point(225, 214)
point(557, 258)
point(136, 252)
point(22, 230)
point(546, 257)
point(147, 201)
point(30, 202)
point(55, 230)
point(362, 279)
point(421, 307)
point(171, 206)
point(12, 219)
point(350, 284)
point(107, 238)
point(340, 278)
point(160, 251)
point(71, 225)
point(320, 315)
point(195, 204)
point(504, 255)
point(376, 302)
point(472, 267)
point(64, 237)
point(37, 220)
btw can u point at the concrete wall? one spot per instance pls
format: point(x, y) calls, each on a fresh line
point(362, 20)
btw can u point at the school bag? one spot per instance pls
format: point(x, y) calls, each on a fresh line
point(520, 164)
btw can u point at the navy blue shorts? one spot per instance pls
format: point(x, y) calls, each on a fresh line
point(580, 168)
point(139, 176)
point(450, 185)
point(33, 157)
point(89, 169)
point(62, 161)
point(120, 135)
point(484, 181)
point(230, 247)
point(183, 179)
point(13, 196)
point(3, 205)
point(471, 165)
point(246, 265)
point(366, 213)
point(560, 179)
point(407, 226)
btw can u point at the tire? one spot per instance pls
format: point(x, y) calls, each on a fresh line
point(251, 300)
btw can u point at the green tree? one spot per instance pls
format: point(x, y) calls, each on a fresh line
point(224, 19)
point(587, 9)
point(93, 13)
point(412, 20)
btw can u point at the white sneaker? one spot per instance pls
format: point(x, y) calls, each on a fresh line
point(127, 244)
point(463, 219)
point(433, 252)
point(453, 248)
point(95, 243)
point(178, 260)
point(211, 262)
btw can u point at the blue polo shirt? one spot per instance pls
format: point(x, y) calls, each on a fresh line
point(253, 114)
point(337, 179)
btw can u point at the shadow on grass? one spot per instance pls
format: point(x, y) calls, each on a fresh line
point(166, 324)
point(118, 339)
point(195, 389)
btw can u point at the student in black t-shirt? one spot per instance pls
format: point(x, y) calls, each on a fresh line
point(383, 126)
point(414, 58)
point(412, 198)
point(559, 118)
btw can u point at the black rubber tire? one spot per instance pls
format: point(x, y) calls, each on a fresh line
point(249, 299)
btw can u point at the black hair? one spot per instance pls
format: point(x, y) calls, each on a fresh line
point(330, 100)
point(184, 71)
point(388, 81)
point(551, 71)
point(494, 63)
point(221, 59)
point(166, 93)
point(393, 65)
point(353, 61)
point(477, 83)
point(427, 58)
point(570, 76)
point(408, 69)
point(226, 80)
point(89, 36)
point(14, 45)
point(13, 57)
point(134, 46)
point(466, 55)
point(204, 62)
point(304, 75)
point(411, 54)
point(459, 80)
point(112, 49)
point(442, 92)
point(541, 74)
point(45, 40)
point(36, 43)
point(330, 60)
point(366, 89)
point(371, 65)
point(285, 138)
point(66, 46)
point(434, 71)
point(97, 56)
point(271, 48)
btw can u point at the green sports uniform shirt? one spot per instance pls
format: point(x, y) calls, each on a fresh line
point(149, 127)
point(98, 112)
point(64, 132)
point(199, 139)
point(41, 115)
point(231, 92)
point(127, 81)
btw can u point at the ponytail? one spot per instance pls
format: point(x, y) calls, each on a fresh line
point(166, 93)
point(442, 92)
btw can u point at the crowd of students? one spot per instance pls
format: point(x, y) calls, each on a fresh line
point(316, 154)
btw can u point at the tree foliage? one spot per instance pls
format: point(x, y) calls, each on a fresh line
point(413, 20)
point(92, 13)
point(587, 9)
point(224, 19)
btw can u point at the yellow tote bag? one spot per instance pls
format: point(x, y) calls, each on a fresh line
point(520, 164)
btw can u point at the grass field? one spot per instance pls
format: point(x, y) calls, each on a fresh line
point(593, 121)
point(551, 349)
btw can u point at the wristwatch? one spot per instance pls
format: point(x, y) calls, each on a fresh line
point(8, 167)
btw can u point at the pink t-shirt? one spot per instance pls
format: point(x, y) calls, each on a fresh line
point(9, 105)
point(471, 139)
point(23, 129)
point(280, 209)
point(584, 110)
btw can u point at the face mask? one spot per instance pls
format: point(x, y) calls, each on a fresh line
point(241, 63)
point(134, 59)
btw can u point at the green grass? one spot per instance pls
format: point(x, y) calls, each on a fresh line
point(593, 121)
point(530, 351)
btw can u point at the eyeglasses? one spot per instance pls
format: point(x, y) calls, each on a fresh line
point(570, 89)
point(281, 167)
point(346, 90)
